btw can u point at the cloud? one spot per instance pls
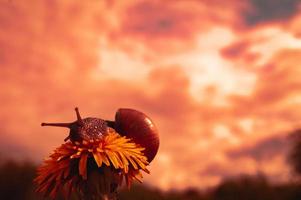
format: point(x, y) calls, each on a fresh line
point(270, 10)
point(263, 150)
point(39, 52)
point(162, 20)
point(278, 79)
point(170, 27)
point(228, 169)
point(241, 53)
point(182, 64)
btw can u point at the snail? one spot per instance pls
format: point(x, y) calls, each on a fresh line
point(128, 122)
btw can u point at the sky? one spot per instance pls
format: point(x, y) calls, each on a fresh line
point(220, 79)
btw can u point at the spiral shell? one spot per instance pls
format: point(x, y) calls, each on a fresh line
point(139, 127)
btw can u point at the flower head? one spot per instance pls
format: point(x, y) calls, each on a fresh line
point(109, 159)
point(92, 166)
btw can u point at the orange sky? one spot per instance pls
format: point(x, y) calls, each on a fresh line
point(221, 80)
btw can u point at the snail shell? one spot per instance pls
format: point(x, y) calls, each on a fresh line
point(139, 127)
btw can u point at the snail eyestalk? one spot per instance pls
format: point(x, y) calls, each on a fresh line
point(67, 138)
point(66, 125)
point(79, 118)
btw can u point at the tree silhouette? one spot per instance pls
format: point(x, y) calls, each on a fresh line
point(295, 151)
point(16, 183)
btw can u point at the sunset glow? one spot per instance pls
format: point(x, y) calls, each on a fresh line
point(220, 80)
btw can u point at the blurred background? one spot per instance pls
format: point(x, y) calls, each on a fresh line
point(221, 80)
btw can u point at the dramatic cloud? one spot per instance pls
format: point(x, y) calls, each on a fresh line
point(172, 26)
point(271, 10)
point(222, 95)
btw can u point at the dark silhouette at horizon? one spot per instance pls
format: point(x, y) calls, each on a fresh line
point(16, 183)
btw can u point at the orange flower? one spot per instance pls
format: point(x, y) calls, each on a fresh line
point(93, 167)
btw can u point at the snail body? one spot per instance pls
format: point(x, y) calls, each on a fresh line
point(128, 122)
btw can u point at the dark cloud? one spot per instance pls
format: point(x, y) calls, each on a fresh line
point(153, 19)
point(152, 22)
point(270, 10)
point(263, 150)
point(240, 52)
point(173, 26)
point(235, 50)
